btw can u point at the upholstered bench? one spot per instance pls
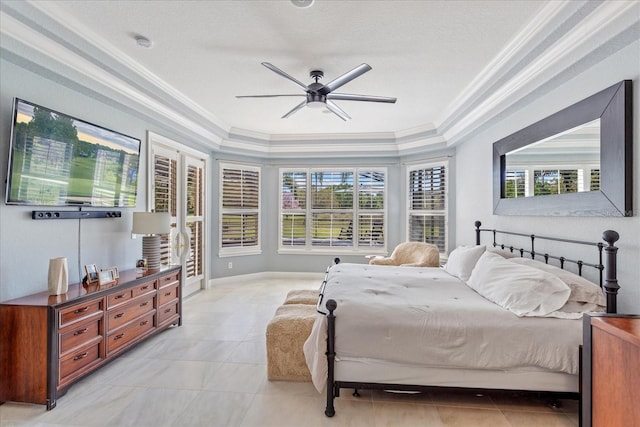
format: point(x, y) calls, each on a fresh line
point(286, 334)
point(302, 296)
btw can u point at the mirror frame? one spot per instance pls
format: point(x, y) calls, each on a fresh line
point(614, 108)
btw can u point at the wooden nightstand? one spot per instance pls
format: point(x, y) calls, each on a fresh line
point(611, 371)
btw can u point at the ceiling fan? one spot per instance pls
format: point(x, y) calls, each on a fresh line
point(319, 95)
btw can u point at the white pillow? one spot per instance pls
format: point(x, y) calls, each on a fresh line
point(582, 290)
point(462, 260)
point(523, 290)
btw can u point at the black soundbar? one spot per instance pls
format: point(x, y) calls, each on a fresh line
point(74, 214)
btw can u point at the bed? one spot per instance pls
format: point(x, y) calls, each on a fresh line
point(409, 329)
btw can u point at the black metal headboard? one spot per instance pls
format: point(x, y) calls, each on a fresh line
point(608, 280)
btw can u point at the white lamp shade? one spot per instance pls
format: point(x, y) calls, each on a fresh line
point(151, 223)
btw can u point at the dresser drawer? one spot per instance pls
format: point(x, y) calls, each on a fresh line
point(122, 314)
point(143, 288)
point(168, 293)
point(167, 280)
point(168, 312)
point(130, 332)
point(119, 297)
point(79, 334)
point(79, 312)
point(77, 360)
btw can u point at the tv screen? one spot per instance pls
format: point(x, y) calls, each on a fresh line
point(58, 160)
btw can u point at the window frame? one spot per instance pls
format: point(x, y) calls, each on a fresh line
point(426, 212)
point(255, 249)
point(308, 247)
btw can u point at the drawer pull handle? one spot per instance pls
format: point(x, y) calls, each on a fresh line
point(167, 294)
point(119, 296)
point(144, 303)
point(144, 322)
point(119, 315)
point(168, 310)
point(81, 356)
point(117, 337)
point(144, 288)
point(81, 310)
point(80, 332)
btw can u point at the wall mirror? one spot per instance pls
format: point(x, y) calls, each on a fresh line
point(576, 162)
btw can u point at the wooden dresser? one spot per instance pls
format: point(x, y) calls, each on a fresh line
point(49, 342)
point(611, 371)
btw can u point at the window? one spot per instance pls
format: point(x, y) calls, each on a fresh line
point(525, 181)
point(516, 183)
point(240, 210)
point(427, 210)
point(332, 208)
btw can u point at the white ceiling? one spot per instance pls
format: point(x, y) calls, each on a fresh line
point(422, 52)
point(441, 59)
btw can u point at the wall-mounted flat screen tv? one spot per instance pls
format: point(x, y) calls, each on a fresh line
point(58, 160)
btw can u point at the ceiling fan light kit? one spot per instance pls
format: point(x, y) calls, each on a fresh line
point(319, 95)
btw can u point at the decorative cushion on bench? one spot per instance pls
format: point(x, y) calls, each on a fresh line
point(302, 296)
point(286, 334)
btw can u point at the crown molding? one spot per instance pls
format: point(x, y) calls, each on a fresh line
point(21, 40)
point(36, 31)
point(104, 47)
point(595, 29)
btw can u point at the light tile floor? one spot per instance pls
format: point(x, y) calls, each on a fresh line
point(212, 372)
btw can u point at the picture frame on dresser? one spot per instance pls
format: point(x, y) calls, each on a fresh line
point(92, 273)
point(107, 276)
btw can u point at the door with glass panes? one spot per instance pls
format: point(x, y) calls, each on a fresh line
point(178, 187)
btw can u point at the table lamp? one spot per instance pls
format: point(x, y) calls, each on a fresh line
point(151, 225)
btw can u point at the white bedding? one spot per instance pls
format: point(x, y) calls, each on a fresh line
point(426, 317)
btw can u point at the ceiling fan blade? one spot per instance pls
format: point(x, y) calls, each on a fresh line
point(337, 110)
point(353, 97)
point(285, 75)
point(296, 108)
point(267, 96)
point(344, 79)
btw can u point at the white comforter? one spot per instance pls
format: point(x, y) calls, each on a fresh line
point(426, 317)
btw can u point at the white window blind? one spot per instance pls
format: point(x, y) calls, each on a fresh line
point(165, 197)
point(516, 184)
point(240, 208)
point(427, 208)
point(337, 208)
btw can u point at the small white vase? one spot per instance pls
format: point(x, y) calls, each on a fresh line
point(58, 276)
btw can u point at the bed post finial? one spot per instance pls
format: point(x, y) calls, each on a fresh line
point(477, 224)
point(610, 278)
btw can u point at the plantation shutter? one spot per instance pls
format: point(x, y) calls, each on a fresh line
point(165, 197)
point(428, 205)
point(240, 207)
point(371, 209)
point(195, 218)
point(293, 218)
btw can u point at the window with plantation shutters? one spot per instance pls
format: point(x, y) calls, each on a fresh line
point(427, 205)
point(516, 184)
point(338, 209)
point(527, 180)
point(240, 209)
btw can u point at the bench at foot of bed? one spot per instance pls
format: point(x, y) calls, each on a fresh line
point(286, 334)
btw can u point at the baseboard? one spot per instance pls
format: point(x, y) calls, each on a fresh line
point(230, 280)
